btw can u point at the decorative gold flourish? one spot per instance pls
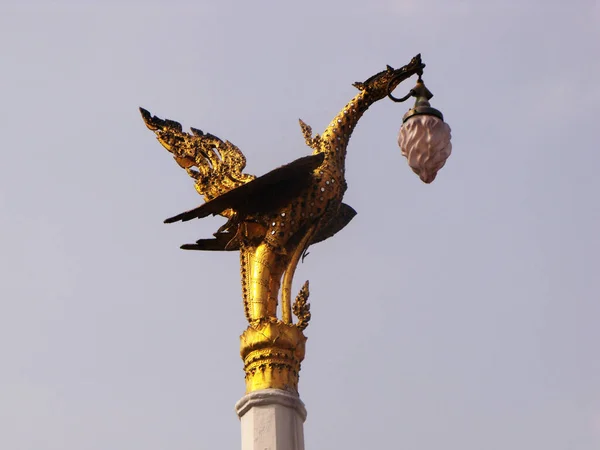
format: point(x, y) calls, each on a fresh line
point(215, 165)
point(302, 307)
point(312, 142)
point(273, 219)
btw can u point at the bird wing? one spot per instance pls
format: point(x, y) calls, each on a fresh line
point(216, 165)
point(264, 194)
point(228, 242)
point(221, 242)
point(343, 217)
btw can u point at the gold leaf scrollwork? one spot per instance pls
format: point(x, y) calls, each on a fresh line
point(301, 307)
point(312, 142)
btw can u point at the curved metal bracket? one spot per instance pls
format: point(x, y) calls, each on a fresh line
point(410, 94)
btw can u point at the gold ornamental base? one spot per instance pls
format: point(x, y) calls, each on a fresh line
point(272, 352)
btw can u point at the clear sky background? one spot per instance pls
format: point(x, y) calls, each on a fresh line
point(462, 315)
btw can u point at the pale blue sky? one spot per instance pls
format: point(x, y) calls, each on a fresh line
point(460, 315)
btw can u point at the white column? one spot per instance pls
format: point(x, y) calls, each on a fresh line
point(271, 419)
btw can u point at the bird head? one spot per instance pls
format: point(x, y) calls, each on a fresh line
point(380, 84)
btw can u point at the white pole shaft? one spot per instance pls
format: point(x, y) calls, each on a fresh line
point(271, 419)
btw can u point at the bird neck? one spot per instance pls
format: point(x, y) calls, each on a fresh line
point(335, 138)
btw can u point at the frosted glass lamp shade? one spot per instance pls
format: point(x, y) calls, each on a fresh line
point(425, 141)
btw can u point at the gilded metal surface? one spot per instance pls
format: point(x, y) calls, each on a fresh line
point(272, 352)
point(273, 219)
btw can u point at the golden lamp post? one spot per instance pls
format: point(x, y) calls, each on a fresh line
point(274, 218)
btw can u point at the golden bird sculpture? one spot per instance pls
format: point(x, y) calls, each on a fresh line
point(272, 220)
